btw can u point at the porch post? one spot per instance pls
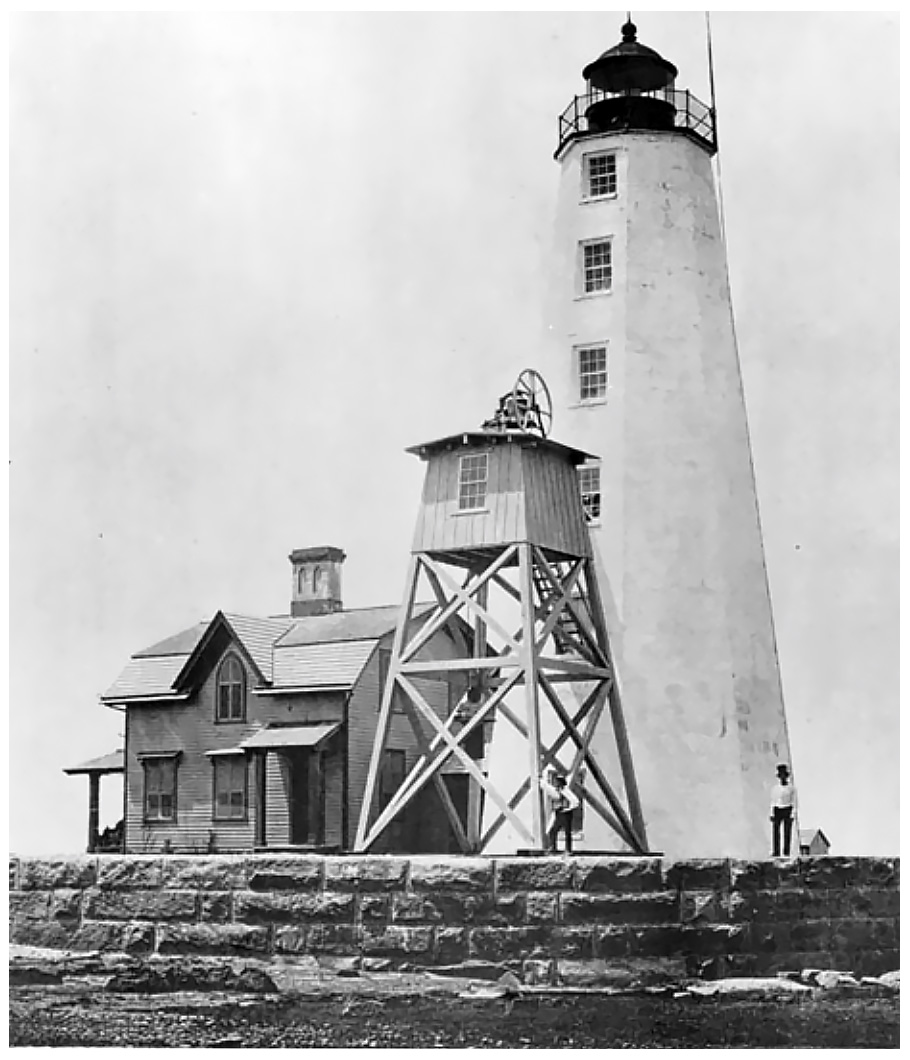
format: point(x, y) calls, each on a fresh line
point(94, 802)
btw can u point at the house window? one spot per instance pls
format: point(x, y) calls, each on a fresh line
point(597, 267)
point(592, 373)
point(231, 690)
point(160, 788)
point(230, 783)
point(600, 176)
point(472, 482)
point(589, 486)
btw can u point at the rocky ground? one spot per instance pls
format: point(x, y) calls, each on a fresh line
point(59, 999)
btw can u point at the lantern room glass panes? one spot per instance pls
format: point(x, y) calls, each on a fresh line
point(600, 176)
point(231, 690)
point(472, 481)
point(592, 373)
point(597, 267)
point(230, 787)
point(160, 789)
point(589, 487)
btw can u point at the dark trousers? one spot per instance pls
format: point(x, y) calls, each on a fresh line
point(782, 822)
point(563, 823)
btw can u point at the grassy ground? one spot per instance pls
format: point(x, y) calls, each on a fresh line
point(44, 1017)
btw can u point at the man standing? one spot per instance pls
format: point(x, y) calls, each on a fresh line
point(783, 807)
point(562, 801)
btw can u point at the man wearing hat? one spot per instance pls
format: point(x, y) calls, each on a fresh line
point(562, 801)
point(783, 807)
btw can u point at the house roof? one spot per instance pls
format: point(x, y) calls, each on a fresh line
point(806, 835)
point(291, 654)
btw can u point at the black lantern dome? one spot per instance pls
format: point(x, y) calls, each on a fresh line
point(630, 67)
point(635, 86)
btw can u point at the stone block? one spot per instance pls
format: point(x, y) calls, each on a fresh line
point(140, 905)
point(697, 875)
point(618, 875)
point(655, 941)
point(14, 874)
point(138, 938)
point(252, 908)
point(48, 934)
point(866, 934)
point(415, 943)
point(879, 872)
point(875, 962)
point(613, 941)
point(451, 944)
point(710, 940)
point(340, 939)
point(619, 908)
point(376, 873)
point(869, 902)
point(376, 907)
point(127, 873)
point(541, 906)
point(703, 907)
point(575, 943)
point(534, 874)
point(223, 872)
point(284, 873)
point(810, 935)
point(65, 905)
point(441, 875)
point(222, 939)
point(29, 905)
point(215, 906)
point(508, 943)
point(458, 909)
point(769, 937)
point(828, 873)
point(47, 874)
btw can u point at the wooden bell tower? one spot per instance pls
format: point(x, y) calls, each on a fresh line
point(502, 546)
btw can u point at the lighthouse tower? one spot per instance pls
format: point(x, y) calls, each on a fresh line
point(645, 374)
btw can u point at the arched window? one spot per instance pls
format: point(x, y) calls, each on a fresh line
point(317, 578)
point(231, 690)
point(301, 581)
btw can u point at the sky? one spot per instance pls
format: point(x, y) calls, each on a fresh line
point(254, 256)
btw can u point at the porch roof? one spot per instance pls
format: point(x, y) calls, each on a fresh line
point(109, 763)
point(289, 736)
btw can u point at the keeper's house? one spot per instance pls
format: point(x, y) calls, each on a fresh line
point(256, 733)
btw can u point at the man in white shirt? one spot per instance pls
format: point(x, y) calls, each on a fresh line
point(561, 801)
point(783, 808)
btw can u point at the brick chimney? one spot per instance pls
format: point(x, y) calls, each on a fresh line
point(316, 584)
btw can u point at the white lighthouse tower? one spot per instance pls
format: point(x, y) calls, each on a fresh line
point(645, 372)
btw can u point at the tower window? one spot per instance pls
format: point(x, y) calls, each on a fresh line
point(231, 691)
point(472, 482)
point(592, 373)
point(597, 267)
point(230, 787)
point(600, 176)
point(589, 487)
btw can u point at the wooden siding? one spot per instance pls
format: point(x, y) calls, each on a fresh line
point(532, 495)
point(191, 729)
point(440, 525)
point(554, 515)
point(363, 716)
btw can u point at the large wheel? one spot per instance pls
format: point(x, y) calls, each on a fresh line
point(532, 403)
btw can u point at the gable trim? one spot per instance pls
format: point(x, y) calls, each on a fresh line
point(219, 622)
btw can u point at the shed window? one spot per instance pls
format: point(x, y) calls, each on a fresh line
point(592, 373)
point(230, 784)
point(231, 690)
point(600, 175)
point(589, 486)
point(597, 267)
point(160, 789)
point(472, 481)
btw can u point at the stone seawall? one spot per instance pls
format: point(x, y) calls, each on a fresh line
point(718, 917)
